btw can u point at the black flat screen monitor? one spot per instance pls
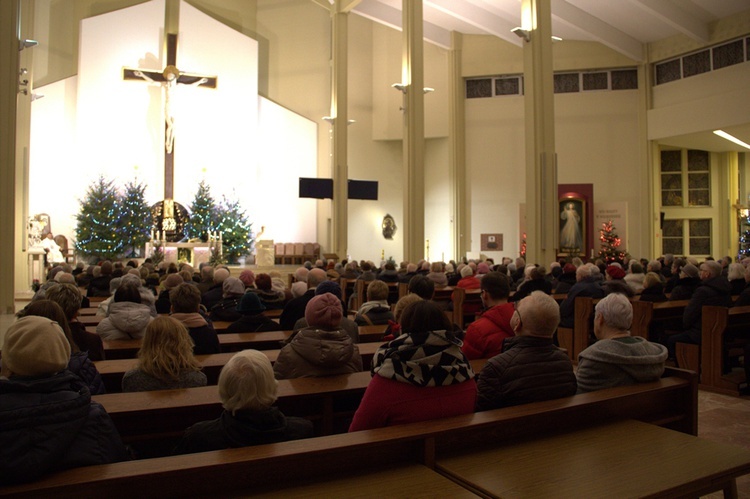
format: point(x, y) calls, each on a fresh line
point(318, 188)
point(363, 189)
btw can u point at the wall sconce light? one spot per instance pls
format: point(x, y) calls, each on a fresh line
point(27, 44)
point(521, 33)
point(400, 87)
point(427, 90)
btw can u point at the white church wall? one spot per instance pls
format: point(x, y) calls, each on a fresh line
point(217, 129)
point(119, 124)
point(495, 170)
point(370, 159)
point(387, 61)
point(226, 146)
point(596, 137)
point(597, 142)
point(272, 198)
point(54, 182)
point(702, 102)
point(296, 35)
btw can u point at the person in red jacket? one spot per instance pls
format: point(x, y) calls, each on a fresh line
point(484, 337)
point(419, 376)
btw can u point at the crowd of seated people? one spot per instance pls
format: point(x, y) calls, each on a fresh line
point(421, 372)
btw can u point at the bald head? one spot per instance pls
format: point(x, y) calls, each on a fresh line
point(315, 277)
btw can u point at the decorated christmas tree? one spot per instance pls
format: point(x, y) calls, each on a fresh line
point(135, 222)
point(203, 214)
point(236, 233)
point(97, 230)
point(610, 243)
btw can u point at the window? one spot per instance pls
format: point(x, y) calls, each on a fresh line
point(479, 88)
point(626, 79)
point(695, 64)
point(681, 169)
point(599, 80)
point(695, 232)
point(566, 82)
point(508, 86)
point(711, 59)
point(727, 55)
point(595, 81)
point(668, 71)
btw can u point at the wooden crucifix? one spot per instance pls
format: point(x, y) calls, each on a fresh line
point(168, 79)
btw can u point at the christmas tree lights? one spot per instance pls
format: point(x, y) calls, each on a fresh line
point(610, 243)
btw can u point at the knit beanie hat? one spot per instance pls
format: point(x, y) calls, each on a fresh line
point(324, 311)
point(569, 269)
point(467, 271)
point(232, 286)
point(615, 272)
point(35, 346)
point(248, 278)
point(329, 287)
point(483, 268)
point(250, 304)
point(172, 281)
point(690, 270)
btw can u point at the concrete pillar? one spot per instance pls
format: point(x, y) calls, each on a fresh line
point(10, 243)
point(413, 144)
point(542, 226)
point(460, 215)
point(340, 115)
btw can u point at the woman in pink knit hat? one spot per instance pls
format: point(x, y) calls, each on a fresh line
point(323, 348)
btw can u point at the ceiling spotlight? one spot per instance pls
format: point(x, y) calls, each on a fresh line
point(521, 33)
point(27, 44)
point(400, 87)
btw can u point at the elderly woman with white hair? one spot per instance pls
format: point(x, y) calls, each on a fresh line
point(618, 359)
point(247, 390)
point(736, 276)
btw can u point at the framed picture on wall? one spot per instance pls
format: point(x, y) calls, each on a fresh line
point(572, 226)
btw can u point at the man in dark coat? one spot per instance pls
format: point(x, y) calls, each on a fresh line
point(295, 308)
point(587, 284)
point(714, 290)
point(531, 368)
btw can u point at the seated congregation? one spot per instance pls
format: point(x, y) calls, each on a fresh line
point(424, 370)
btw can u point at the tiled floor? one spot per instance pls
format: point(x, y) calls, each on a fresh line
point(720, 418)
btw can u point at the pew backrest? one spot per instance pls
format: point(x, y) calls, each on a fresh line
point(670, 402)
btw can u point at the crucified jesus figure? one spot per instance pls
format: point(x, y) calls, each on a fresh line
point(171, 75)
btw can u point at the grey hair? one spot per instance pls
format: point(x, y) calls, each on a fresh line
point(736, 271)
point(540, 314)
point(712, 267)
point(247, 382)
point(616, 310)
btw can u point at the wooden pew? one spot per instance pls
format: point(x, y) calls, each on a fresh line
point(710, 358)
point(460, 297)
point(670, 402)
point(234, 342)
point(576, 339)
point(648, 316)
point(112, 371)
point(163, 414)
